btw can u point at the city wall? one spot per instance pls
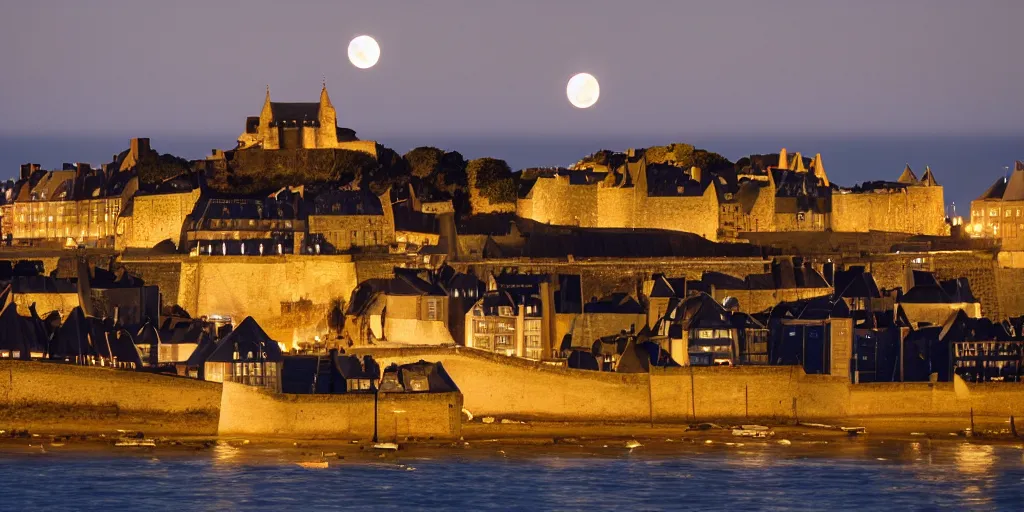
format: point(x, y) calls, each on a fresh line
point(494, 385)
point(555, 201)
point(396, 416)
point(63, 397)
point(155, 218)
point(240, 286)
point(917, 209)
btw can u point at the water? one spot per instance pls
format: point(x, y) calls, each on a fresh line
point(893, 476)
point(964, 165)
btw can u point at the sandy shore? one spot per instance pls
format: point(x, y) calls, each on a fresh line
point(527, 440)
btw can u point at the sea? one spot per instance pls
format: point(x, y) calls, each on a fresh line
point(896, 476)
point(966, 165)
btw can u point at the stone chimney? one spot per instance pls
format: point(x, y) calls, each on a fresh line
point(696, 174)
point(139, 147)
point(28, 169)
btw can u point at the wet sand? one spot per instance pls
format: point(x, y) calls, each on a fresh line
point(530, 439)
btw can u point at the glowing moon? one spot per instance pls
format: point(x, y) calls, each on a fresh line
point(363, 52)
point(582, 90)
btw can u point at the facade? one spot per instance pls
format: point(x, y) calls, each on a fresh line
point(997, 213)
point(515, 317)
point(77, 205)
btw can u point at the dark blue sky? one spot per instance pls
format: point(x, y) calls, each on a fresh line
point(477, 67)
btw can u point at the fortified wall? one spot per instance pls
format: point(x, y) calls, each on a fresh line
point(910, 210)
point(247, 410)
point(504, 387)
point(556, 201)
point(151, 219)
point(53, 396)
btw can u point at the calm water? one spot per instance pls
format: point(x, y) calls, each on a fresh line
point(964, 165)
point(897, 476)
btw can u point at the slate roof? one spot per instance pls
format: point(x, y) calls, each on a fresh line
point(616, 303)
point(856, 283)
point(18, 334)
point(247, 338)
point(995, 191)
point(72, 338)
point(347, 202)
point(1015, 186)
point(297, 112)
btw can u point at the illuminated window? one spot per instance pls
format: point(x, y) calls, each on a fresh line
point(994, 212)
point(431, 309)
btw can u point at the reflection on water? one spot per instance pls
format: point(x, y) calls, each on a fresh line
point(841, 475)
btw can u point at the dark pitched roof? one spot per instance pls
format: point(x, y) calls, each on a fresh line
point(408, 282)
point(17, 333)
point(995, 191)
point(856, 283)
point(664, 288)
point(249, 341)
point(1015, 186)
point(616, 303)
point(347, 202)
point(295, 111)
point(72, 338)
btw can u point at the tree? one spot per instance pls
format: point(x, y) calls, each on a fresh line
point(493, 179)
point(424, 161)
point(154, 168)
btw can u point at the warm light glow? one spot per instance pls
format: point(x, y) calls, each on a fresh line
point(583, 90)
point(363, 52)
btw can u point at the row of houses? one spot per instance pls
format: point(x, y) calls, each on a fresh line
point(838, 322)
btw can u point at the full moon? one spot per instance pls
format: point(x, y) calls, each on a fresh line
point(582, 90)
point(363, 52)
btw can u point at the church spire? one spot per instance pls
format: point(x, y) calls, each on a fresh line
point(325, 100)
point(265, 113)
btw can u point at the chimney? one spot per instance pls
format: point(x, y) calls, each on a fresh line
point(696, 174)
point(139, 147)
point(783, 159)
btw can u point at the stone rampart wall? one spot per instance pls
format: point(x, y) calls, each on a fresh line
point(494, 385)
point(253, 411)
point(79, 398)
point(918, 210)
point(155, 218)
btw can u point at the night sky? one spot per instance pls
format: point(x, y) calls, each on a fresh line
point(477, 67)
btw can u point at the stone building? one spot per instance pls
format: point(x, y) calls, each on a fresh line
point(410, 309)
point(515, 317)
point(996, 213)
point(152, 218)
point(794, 195)
point(76, 204)
point(289, 221)
point(300, 126)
